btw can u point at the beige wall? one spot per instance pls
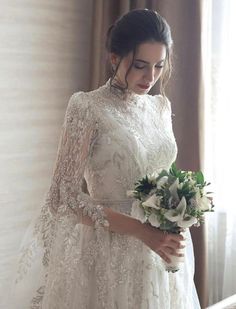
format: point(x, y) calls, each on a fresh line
point(44, 58)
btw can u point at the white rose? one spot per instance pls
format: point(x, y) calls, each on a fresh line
point(205, 203)
point(202, 203)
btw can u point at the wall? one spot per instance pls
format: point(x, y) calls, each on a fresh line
point(44, 58)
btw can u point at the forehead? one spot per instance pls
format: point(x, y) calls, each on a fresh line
point(151, 51)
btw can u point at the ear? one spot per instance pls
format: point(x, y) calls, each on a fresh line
point(114, 59)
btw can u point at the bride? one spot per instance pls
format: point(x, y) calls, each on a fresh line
point(85, 249)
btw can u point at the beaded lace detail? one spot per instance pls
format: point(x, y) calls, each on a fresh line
point(108, 142)
point(126, 95)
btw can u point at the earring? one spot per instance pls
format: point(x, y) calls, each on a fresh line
point(113, 67)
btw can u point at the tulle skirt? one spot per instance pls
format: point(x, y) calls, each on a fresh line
point(63, 264)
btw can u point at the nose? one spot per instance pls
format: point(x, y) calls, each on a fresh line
point(150, 75)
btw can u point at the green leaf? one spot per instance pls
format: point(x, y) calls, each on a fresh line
point(199, 177)
point(161, 174)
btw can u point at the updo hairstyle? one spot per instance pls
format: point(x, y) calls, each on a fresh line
point(134, 28)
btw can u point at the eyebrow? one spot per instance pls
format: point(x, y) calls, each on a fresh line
point(140, 60)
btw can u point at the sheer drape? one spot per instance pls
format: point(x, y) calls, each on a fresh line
point(220, 143)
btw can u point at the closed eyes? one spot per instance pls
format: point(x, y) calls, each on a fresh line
point(142, 67)
point(138, 65)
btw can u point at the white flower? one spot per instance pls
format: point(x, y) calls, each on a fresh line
point(137, 212)
point(187, 222)
point(202, 203)
point(162, 181)
point(177, 214)
point(191, 181)
point(130, 193)
point(173, 189)
point(152, 178)
point(153, 220)
point(152, 202)
point(170, 202)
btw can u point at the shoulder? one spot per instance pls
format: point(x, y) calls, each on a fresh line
point(78, 101)
point(80, 110)
point(80, 104)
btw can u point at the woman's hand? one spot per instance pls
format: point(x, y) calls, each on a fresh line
point(161, 242)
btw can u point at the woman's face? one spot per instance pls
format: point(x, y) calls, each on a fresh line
point(146, 69)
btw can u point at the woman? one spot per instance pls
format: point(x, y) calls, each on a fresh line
point(86, 250)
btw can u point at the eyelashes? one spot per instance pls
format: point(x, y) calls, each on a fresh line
point(143, 67)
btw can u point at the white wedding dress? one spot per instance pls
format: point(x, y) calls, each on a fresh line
point(107, 141)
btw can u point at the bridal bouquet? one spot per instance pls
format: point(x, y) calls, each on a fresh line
point(171, 201)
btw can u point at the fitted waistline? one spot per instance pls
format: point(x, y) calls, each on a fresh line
point(127, 201)
point(122, 204)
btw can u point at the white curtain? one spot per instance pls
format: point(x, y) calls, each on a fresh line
point(219, 56)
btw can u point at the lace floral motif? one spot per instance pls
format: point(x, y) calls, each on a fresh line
point(108, 141)
point(37, 300)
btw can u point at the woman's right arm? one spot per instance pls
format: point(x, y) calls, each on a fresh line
point(154, 238)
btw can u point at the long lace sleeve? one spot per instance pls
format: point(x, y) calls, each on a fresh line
point(79, 131)
point(55, 236)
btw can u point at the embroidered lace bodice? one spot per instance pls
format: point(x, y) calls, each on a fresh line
point(107, 142)
point(133, 137)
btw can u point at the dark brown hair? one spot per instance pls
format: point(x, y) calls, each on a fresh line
point(134, 28)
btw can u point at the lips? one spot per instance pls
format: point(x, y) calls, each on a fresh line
point(144, 86)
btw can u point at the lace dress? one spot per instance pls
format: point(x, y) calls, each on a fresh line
point(108, 142)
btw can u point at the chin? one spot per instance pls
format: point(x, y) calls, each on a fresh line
point(142, 91)
point(139, 90)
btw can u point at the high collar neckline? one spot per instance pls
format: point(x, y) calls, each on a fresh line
point(128, 95)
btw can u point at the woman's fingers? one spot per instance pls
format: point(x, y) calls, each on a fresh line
point(176, 244)
point(172, 251)
point(163, 243)
point(163, 256)
point(173, 241)
point(174, 237)
point(168, 251)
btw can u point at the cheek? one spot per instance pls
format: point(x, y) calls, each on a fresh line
point(136, 74)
